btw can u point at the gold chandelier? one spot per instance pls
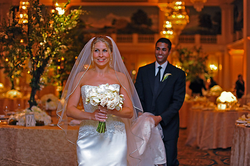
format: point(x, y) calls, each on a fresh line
point(176, 16)
point(23, 12)
point(168, 31)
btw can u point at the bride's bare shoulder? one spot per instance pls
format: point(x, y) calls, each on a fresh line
point(121, 76)
point(81, 76)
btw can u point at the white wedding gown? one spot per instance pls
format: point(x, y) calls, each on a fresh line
point(110, 148)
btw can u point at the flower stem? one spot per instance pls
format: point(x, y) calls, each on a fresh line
point(101, 128)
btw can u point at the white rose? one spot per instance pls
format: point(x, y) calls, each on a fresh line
point(112, 88)
point(92, 93)
point(94, 101)
point(101, 89)
point(104, 101)
point(111, 105)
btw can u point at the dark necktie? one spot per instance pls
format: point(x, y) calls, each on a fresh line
point(156, 86)
point(157, 79)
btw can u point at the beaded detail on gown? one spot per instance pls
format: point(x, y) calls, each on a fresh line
point(101, 149)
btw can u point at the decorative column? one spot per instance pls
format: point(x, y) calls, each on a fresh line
point(227, 37)
point(227, 23)
point(246, 37)
point(226, 70)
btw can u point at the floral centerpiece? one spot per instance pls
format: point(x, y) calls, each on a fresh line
point(104, 95)
point(49, 101)
point(226, 100)
point(216, 90)
point(41, 117)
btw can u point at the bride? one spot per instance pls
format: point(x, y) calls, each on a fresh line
point(129, 139)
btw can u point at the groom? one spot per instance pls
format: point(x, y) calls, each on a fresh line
point(163, 94)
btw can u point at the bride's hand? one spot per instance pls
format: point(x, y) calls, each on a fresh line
point(100, 114)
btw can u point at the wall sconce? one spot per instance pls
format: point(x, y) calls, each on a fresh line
point(213, 67)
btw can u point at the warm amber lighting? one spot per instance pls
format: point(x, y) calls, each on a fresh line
point(236, 52)
point(178, 66)
point(176, 14)
point(6, 59)
point(58, 67)
point(221, 106)
point(23, 12)
point(133, 72)
point(1, 86)
point(226, 97)
point(59, 8)
point(213, 67)
point(62, 59)
point(198, 4)
point(166, 8)
point(179, 17)
point(21, 41)
point(13, 94)
point(167, 30)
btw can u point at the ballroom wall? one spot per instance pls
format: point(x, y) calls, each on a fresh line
point(221, 53)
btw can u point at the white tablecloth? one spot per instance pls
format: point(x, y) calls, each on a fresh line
point(211, 129)
point(184, 113)
point(240, 151)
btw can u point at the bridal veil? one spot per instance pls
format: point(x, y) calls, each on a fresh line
point(142, 136)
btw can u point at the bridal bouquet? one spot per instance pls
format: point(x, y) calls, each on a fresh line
point(104, 95)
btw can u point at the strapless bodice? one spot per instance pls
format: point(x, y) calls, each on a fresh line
point(91, 145)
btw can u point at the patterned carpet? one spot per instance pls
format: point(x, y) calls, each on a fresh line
point(189, 156)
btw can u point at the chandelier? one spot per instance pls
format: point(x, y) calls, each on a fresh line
point(23, 12)
point(168, 31)
point(198, 4)
point(176, 18)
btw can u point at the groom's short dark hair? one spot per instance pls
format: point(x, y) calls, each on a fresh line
point(165, 40)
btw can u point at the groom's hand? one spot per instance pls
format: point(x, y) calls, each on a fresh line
point(157, 119)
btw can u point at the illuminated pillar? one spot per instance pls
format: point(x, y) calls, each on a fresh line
point(246, 37)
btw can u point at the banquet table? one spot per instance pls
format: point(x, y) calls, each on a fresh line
point(184, 113)
point(12, 104)
point(240, 151)
point(211, 128)
point(37, 146)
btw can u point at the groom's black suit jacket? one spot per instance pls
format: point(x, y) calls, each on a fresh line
point(170, 96)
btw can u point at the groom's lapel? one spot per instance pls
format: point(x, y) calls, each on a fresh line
point(165, 82)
